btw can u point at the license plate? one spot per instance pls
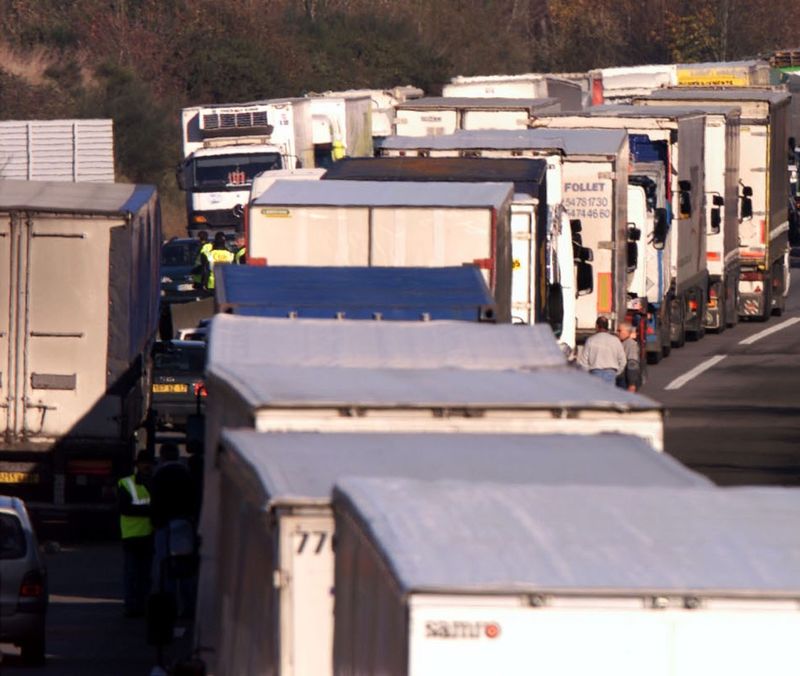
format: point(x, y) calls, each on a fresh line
point(19, 478)
point(170, 388)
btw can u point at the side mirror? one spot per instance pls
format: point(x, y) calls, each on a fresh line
point(718, 201)
point(633, 256)
point(634, 234)
point(585, 255)
point(575, 225)
point(660, 228)
point(746, 207)
point(685, 198)
point(585, 279)
point(716, 221)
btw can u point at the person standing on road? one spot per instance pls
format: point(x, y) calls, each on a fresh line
point(173, 502)
point(133, 498)
point(219, 253)
point(602, 354)
point(631, 378)
point(199, 259)
point(240, 256)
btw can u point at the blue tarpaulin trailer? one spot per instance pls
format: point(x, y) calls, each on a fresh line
point(454, 293)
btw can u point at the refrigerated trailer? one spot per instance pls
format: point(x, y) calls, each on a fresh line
point(722, 148)
point(399, 224)
point(526, 85)
point(676, 138)
point(274, 375)
point(423, 294)
point(436, 115)
point(587, 208)
point(530, 243)
point(79, 309)
point(278, 544)
point(764, 218)
point(457, 577)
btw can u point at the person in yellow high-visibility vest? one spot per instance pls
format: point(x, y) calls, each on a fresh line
point(133, 498)
point(219, 254)
point(205, 247)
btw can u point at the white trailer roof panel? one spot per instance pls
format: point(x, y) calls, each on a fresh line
point(475, 103)
point(570, 141)
point(254, 341)
point(302, 468)
point(66, 197)
point(385, 194)
point(450, 537)
point(291, 387)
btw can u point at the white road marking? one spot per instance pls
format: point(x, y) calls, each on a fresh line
point(696, 371)
point(768, 332)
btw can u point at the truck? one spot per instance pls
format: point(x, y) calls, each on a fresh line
point(586, 218)
point(527, 85)
point(455, 293)
point(623, 84)
point(592, 579)
point(438, 377)
point(276, 497)
point(529, 235)
point(383, 102)
point(398, 224)
point(676, 138)
point(436, 115)
point(225, 146)
point(763, 209)
point(342, 126)
point(75, 339)
point(722, 143)
point(57, 150)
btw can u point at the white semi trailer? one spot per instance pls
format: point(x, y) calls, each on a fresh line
point(432, 116)
point(389, 224)
point(764, 218)
point(278, 544)
point(586, 207)
point(676, 138)
point(526, 85)
point(460, 577)
point(79, 310)
point(421, 377)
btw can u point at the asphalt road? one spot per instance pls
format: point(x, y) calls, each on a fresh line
point(738, 422)
point(87, 634)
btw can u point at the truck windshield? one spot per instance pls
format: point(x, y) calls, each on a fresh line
point(232, 170)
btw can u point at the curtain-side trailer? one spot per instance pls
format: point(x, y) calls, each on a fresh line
point(764, 217)
point(472, 578)
point(79, 308)
point(278, 542)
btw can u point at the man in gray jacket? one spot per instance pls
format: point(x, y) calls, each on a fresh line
point(631, 378)
point(602, 353)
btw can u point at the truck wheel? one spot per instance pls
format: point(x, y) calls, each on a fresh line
point(678, 320)
point(655, 356)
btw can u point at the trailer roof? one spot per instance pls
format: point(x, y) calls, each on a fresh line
point(569, 141)
point(385, 194)
point(273, 386)
point(457, 293)
point(460, 169)
point(721, 94)
point(693, 107)
point(67, 197)
point(322, 342)
point(475, 103)
point(628, 110)
point(450, 537)
point(302, 468)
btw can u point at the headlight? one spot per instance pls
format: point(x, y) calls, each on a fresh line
point(166, 280)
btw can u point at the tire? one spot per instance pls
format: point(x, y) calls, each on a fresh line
point(655, 357)
point(33, 651)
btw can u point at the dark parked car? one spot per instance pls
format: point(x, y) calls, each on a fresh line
point(178, 258)
point(23, 582)
point(178, 388)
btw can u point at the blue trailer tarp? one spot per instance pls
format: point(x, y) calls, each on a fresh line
point(454, 293)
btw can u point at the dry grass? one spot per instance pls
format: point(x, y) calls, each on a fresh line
point(32, 66)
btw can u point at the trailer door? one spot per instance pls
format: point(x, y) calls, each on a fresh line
point(527, 289)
